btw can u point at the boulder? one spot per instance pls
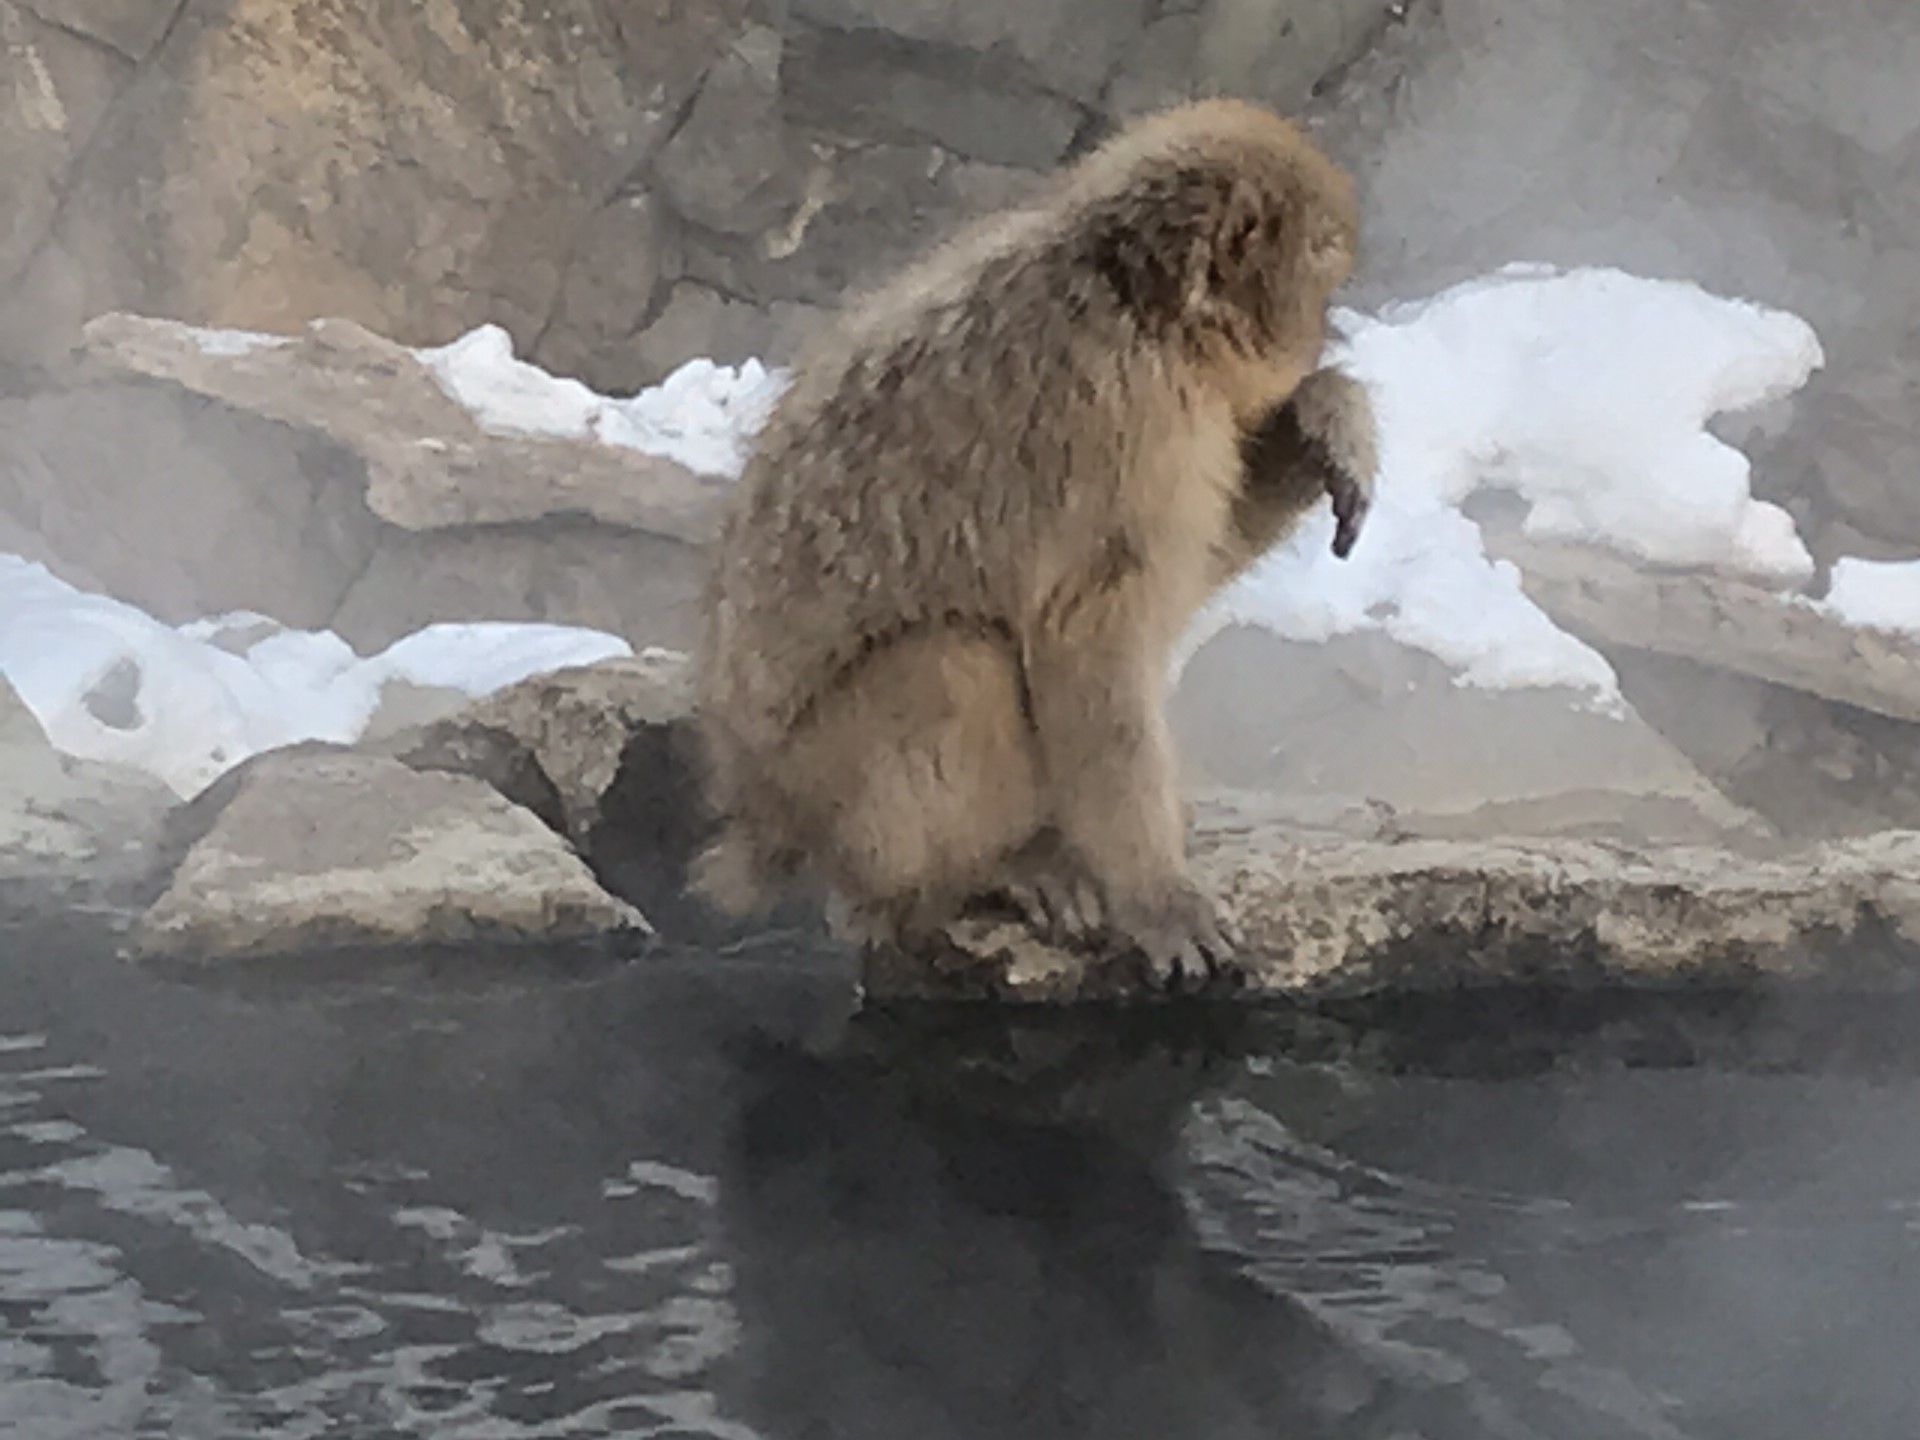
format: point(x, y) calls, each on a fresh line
point(311, 849)
point(1327, 915)
point(1813, 768)
point(132, 27)
point(73, 833)
point(604, 754)
point(429, 463)
point(332, 484)
point(1718, 620)
point(574, 728)
point(642, 587)
point(1361, 720)
point(147, 493)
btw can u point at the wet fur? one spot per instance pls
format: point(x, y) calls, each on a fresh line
point(944, 596)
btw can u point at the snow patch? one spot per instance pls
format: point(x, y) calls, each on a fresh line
point(109, 682)
point(235, 342)
point(703, 415)
point(480, 657)
point(1586, 393)
point(1875, 595)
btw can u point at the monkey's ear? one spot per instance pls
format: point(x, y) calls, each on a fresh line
point(1244, 239)
point(1145, 269)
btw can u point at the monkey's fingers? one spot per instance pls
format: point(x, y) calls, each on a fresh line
point(1350, 505)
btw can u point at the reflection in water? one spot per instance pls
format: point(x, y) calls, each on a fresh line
point(687, 1197)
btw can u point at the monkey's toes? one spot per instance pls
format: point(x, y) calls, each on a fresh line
point(1183, 940)
point(1060, 907)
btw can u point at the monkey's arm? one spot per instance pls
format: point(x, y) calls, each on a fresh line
point(1322, 441)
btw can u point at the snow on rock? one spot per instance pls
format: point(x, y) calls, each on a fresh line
point(109, 682)
point(703, 415)
point(481, 657)
point(1584, 392)
point(235, 342)
point(1875, 595)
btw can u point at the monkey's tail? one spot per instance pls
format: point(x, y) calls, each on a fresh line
point(739, 875)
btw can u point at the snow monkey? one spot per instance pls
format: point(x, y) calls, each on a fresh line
point(944, 598)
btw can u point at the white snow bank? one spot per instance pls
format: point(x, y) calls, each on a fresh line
point(1875, 595)
point(480, 657)
point(1586, 393)
point(703, 415)
point(109, 682)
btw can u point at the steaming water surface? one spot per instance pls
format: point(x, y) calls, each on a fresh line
point(688, 1197)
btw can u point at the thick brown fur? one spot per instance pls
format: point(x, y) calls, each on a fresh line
point(945, 594)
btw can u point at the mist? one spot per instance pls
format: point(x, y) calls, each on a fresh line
point(372, 378)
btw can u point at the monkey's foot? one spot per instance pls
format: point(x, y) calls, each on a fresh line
point(1182, 936)
point(1055, 896)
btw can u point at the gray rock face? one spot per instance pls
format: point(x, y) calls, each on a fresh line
point(697, 319)
point(626, 256)
point(133, 27)
point(306, 852)
point(1069, 46)
point(419, 170)
point(416, 169)
point(971, 103)
point(54, 90)
point(729, 167)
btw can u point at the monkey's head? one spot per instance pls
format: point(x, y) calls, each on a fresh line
point(1219, 220)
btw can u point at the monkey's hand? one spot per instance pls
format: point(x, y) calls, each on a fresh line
point(1179, 933)
point(1321, 442)
point(1339, 437)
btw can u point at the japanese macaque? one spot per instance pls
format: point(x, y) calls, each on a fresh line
point(945, 595)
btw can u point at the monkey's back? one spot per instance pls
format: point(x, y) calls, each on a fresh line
point(923, 468)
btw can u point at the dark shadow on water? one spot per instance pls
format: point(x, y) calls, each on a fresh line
point(689, 1194)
